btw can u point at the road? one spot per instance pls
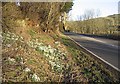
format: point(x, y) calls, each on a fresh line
point(106, 49)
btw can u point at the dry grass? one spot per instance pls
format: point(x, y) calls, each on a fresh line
point(78, 66)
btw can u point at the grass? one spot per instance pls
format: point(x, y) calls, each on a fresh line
point(78, 66)
point(32, 32)
point(91, 69)
point(69, 43)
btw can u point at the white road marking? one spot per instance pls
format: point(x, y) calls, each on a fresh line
point(96, 55)
point(93, 39)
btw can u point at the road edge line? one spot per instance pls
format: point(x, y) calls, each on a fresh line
point(95, 55)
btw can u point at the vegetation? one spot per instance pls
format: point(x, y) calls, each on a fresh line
point(46, 15)
point(32, 50)
point(59, 61)
point(97, 26)
point(89, 23)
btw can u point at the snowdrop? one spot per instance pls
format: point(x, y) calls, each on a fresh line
point(51, 57)
point(21, 38)
point(17, 36)
point(35, 78)
point(57, 42)
point(36, 40)
point(11, 60)
point(20, 46)
point(54, 55)
point(16, 48)
point(38, 44)
point(8, 45)
point(21, 61)
point(27, 69)
point(49, 46)
point(46, 51)
point(52, 63)
point(51, 51)
point(12, 38)
point(12, 34)
point(7, 35)
point(46, 54)
point(41, 47)
point(16, 39)
point(58, 66)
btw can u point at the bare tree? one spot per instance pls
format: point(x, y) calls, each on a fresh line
point(89, 14)
point(97, 13)
point(79, 17)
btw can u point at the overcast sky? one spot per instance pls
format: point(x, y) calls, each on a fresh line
point(106, 7)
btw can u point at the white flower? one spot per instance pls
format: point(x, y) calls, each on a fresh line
point(38, 44)
point(41, 47)
point(36, 40)
point(35, 46)
point(46, 50)
point(46, 54)
point(8, 32)
point(7, 35)
point(17, 36)
point(21, 61)
point(51, 57)
point(20, 46)
point(16, 39)
point(12, 38)
point(11, 60)
point(35, 78)
point(57, 42)
point(51, 51)
point(16, 48)
point(58, 66)
point(52, 63)
point(49, 46)
point(8, 45)
point(21, 37)
point(63, 54)
point(27, 69)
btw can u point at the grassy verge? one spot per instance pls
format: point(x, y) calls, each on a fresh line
point(55, 60)
point(91, 69)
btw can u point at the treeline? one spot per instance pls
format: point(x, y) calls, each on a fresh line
point(45, 15)
point(106, 25)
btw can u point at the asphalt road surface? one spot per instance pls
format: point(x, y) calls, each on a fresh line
point(107, 49)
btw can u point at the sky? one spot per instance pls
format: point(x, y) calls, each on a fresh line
point(106, 7)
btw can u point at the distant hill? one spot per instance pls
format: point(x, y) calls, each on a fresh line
point(119, 7)
point(101, 25)
point(116, 18)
